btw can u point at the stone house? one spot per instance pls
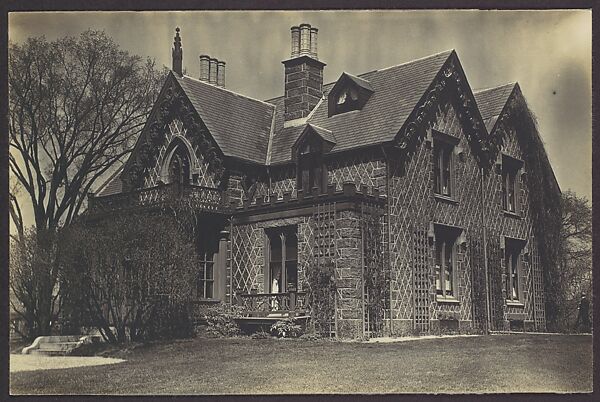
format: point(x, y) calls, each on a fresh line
point(417, 203)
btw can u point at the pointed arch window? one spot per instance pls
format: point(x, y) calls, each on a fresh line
point(179, 166)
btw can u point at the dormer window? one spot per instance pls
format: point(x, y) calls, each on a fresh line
point(308, 151)
point(349, 93)
point(312, 172)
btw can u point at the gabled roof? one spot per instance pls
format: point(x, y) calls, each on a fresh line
point(491, 102)
point(324, 134)
point(239, 124)
point(253, 130)
point(396, 92)
point(357, 80)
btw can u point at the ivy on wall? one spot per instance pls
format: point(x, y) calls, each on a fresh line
point(375, 274)
point(321, 288)
point(545, 199)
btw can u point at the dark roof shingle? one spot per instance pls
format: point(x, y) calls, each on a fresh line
point(396, 92)
point(240, 125)
point(491, 102)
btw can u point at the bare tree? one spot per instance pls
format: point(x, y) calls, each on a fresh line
point(576, 263)
point(75, 106)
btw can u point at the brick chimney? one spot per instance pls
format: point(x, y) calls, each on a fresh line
point(303, 74)
point(177, 54)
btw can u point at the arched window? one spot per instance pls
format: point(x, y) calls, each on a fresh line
point(179, 166)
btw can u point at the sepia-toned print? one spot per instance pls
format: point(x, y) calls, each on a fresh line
point(300, 202)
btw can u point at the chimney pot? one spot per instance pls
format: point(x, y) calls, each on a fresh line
point(204, 67)
point(295, 41)
point(212, 73)
point(221, 73)
point(313, 42)
point(304, 38)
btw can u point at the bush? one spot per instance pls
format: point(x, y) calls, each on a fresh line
point(169, 321)
point(221, 322)
point(287, 328)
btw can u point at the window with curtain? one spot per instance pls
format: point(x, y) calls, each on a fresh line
point(283, 259)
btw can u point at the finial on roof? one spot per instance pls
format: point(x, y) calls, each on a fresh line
point(177, 54)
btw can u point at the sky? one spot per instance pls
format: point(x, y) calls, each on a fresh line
point(549, 53)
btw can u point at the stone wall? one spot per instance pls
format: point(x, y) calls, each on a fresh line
point(413, 210)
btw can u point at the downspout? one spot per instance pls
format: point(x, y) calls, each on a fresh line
point(389, 231)
point(485, 260)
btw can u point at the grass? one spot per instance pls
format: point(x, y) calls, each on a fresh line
point(497, 363)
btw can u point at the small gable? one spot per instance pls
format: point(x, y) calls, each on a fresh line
point(349, 93)
point(313, 138)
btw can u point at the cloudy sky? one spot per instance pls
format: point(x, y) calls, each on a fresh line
point(547, 52)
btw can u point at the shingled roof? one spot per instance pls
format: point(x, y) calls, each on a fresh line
point(396, 92)
point(112, 185)
point(491, 102)
point(253, 130)
point(239, 124)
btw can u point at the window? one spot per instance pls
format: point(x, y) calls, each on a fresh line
point(510, 184)
point(349, 93)
point(442, 168)
point(208, 247)
point(445, 261)
point(512, 263)
point(346, 100)
point(282, 260)
point(206, 279)
point(312, 171)
point(179, 166)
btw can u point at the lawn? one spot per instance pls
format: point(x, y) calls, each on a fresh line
point(496, 363)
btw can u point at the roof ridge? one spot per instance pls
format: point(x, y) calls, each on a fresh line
point(479, 90)
point(229, 90)
point(408, 62)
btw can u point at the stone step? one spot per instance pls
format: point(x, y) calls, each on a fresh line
point(61, 338)
point(63, 346)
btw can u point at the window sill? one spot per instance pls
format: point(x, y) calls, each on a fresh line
point(445, 198)
point(514, 304)
point(512, 214)
point(449, 300)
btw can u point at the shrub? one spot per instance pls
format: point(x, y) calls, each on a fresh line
point(287, 328)
point(221, 322)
